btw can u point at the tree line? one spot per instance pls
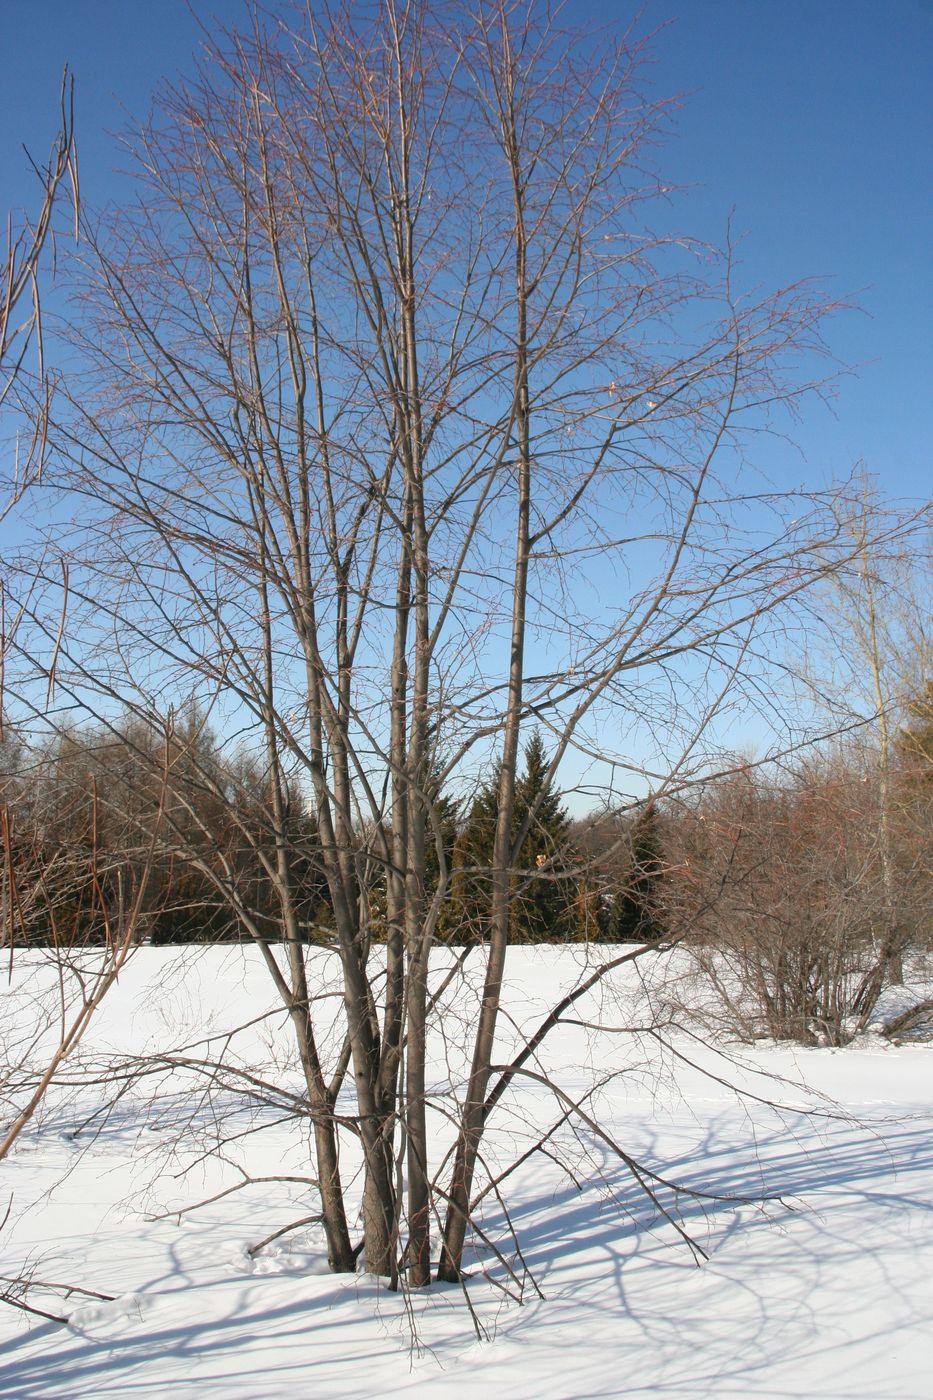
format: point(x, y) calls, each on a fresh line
point(781, 877)
point(78, 816)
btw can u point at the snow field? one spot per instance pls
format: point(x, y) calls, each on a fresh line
point(819, 1276)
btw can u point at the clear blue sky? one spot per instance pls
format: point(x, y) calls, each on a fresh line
point(813, 118)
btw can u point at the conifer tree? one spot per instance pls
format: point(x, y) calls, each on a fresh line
point(544, 903)
point(466, 918)
point(636, 915)
point(443, 820)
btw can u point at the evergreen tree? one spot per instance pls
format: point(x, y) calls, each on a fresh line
point(636, 916)
point(466, 918)
point(544, 901)
point(443, 820)
point(441, 825)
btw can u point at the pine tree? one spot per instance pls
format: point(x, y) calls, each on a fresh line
point(543, 905)
point(466, 918)
point(636, 915)
point(443, 820)
point(544, 902)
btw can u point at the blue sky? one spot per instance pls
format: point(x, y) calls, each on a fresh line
point(814, 118)
point(811, 118)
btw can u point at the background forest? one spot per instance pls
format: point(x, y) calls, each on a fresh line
point(806, 888)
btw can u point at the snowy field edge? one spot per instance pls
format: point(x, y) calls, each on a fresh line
point(809, 1192)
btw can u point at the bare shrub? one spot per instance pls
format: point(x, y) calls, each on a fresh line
point(788, 895)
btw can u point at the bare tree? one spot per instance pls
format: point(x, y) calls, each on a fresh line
point(783, 882)
point(20, 300)
point(872, 647)
point(81, 993)
point(21, 334)
point(400, 434)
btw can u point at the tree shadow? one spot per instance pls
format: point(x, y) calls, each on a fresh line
point(610, 1265)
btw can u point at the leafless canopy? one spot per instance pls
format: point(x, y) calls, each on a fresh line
point(20, 301)
point(402, 431)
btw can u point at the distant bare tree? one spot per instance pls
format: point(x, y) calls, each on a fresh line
point(783, 883)
point(84, 980)
point(873, 646)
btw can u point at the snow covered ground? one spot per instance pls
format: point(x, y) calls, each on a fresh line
point(826, 1292)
